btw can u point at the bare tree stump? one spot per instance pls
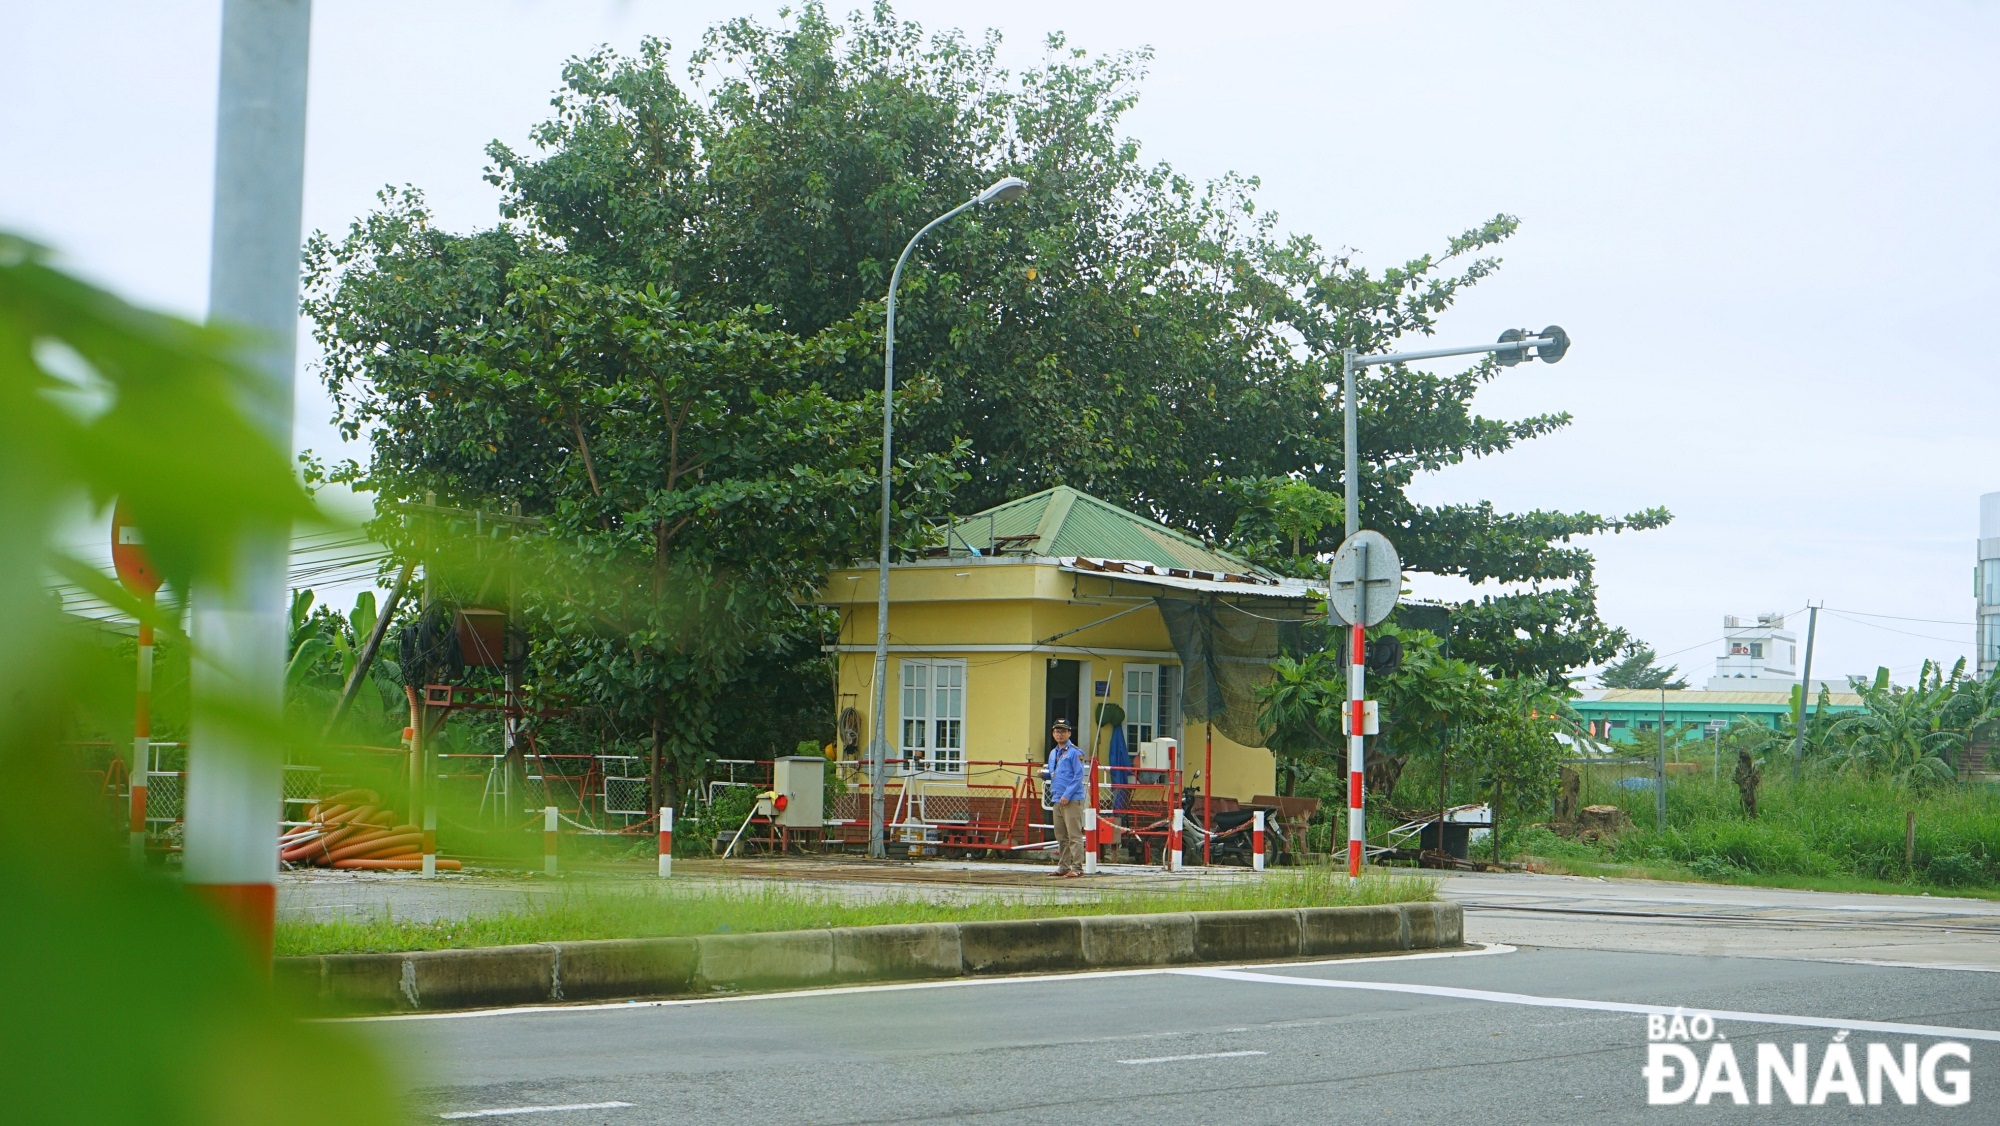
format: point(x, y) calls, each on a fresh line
point(1602, 822)
point(1567, 789)
point(1747, 779)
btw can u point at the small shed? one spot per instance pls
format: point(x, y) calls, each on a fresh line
point(1049, 607)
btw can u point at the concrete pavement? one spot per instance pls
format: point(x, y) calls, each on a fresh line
point(1645, 915)
point(325, 895)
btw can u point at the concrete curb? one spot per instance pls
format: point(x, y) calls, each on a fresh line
point(731, 963)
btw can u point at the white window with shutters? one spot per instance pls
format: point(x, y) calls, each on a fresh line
point(1142, 701)
point(1168, 721)
point(933, 728)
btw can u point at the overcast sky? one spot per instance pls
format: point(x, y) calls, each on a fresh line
point(1769, 229)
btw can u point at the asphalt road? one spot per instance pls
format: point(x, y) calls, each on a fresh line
point(1267, 1043)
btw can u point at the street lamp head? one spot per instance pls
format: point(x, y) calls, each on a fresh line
point(1558, 344)
point(1516, 346)
point(1007, 189)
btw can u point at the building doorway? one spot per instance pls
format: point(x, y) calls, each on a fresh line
point(1065, 697)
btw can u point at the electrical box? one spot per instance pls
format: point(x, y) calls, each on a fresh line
point(1158, 754)
point(801, 781)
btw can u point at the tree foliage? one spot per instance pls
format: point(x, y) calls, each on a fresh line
point(1638, 667)
point(1430, 704)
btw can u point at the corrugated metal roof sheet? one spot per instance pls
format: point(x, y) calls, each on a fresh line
point(1065, 522)
point(1296, 589)
point(1698, 698)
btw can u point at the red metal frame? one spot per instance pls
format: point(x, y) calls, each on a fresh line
point(1000, 816)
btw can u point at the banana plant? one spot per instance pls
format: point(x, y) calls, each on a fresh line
point(1905, 735)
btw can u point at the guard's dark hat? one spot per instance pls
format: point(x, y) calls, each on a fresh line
point(1062, 724)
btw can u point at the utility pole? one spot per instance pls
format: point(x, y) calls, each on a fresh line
point(1805, 691)
point(235, 772)
point(1660, 766)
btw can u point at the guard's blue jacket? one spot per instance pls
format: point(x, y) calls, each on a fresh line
point(1066, 773)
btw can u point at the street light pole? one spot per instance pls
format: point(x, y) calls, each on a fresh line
point(1350, 428)
point(235, 786)
point(1004, 190)
point(1513, 346)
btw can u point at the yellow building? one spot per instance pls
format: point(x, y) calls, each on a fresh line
point(1043, 607)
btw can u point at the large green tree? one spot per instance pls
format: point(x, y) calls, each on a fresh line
point(1122, 329)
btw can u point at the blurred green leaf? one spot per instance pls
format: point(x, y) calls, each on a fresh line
point(128, 999)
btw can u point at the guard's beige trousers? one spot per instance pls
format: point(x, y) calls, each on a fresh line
point(1069, 833)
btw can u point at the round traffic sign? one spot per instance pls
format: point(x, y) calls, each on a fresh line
point(1366, 579)
point(128, 554)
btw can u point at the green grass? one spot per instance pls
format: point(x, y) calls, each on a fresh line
point(1572, 865)
point(587, 913)
point(1829, 834)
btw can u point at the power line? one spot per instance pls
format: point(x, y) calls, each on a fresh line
point(1904, 632)
point(1900, 618)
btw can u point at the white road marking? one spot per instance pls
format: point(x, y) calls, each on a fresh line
point(1956, 967)
point(502, 1111)
point(1888, 1027)
point(1197, 1056)
point(891, 987)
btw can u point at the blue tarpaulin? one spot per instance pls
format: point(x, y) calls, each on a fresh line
point(1118, 757)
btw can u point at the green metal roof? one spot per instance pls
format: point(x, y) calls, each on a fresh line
point(1065, 522)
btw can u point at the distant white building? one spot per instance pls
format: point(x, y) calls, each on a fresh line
point(1761, 655)
point(1986, 584)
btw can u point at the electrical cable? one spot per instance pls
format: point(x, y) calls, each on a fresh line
point(1904, 632)
point(1900, 618)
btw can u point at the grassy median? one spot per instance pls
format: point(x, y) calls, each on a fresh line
point(586, 912)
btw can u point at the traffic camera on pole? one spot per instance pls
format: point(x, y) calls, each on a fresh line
point(1366, 559)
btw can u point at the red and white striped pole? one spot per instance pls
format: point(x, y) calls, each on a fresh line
point(142, 738)
point(549, 834)
point(1357, 674)
point(666, 840)
point(1090, 840)
point(1257, 841)
point(1174, 856)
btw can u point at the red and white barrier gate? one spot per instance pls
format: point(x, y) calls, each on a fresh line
point(1357, 674)
point(666, 840)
